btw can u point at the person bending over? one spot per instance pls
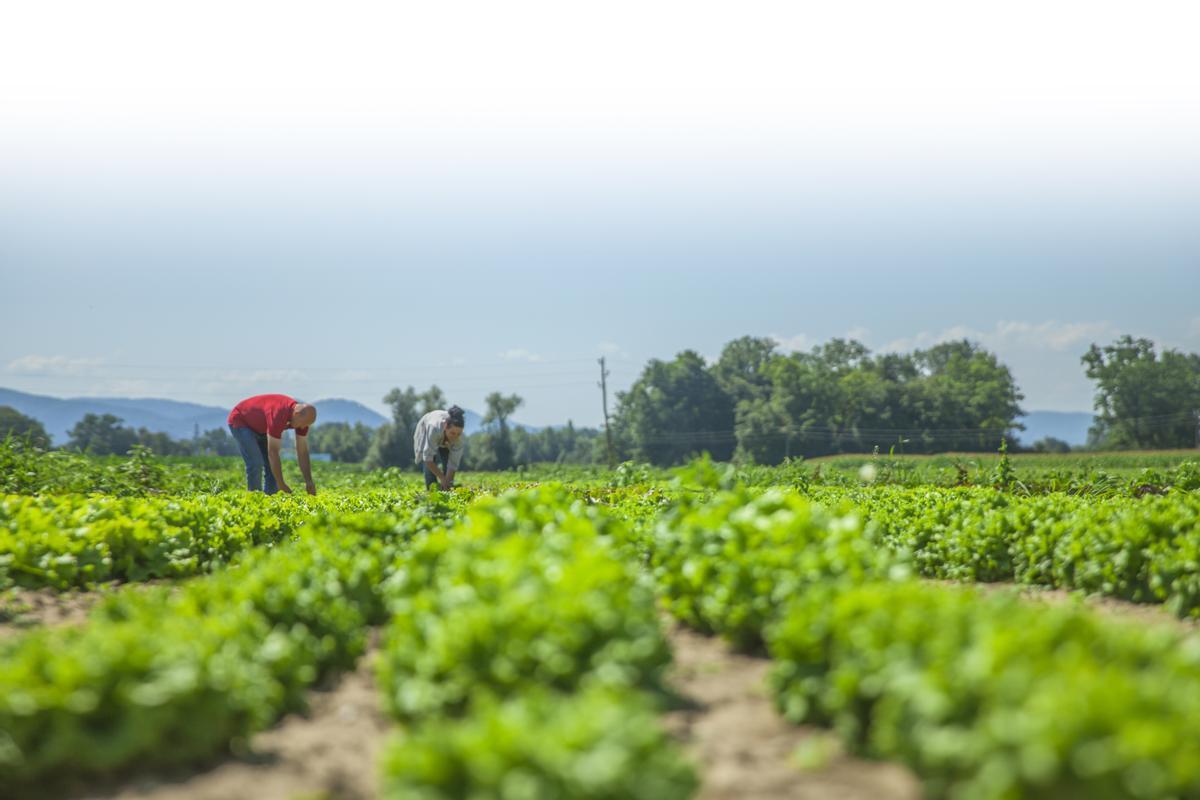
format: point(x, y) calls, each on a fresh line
point(257, 424)
point(438, 445)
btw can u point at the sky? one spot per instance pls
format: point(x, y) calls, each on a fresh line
point(207, 201)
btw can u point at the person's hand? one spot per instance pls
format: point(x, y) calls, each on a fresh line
point(310, 487)
point(445, 482)
point(283, 487)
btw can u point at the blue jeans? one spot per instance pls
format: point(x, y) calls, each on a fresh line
point(442, 458)
point(253, 447)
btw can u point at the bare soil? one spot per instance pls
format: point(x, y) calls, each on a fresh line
point(741, 746)
point(744, 750)
point(332, 753)
point(22, 609)
point(1111, 607)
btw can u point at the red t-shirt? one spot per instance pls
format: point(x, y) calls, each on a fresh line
point(265, 413)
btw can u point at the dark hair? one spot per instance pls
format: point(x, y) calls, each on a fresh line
point(457, 419)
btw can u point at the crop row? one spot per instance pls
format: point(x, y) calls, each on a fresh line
point(982, 697)
point(522, 650)
point(1145, 550)
point(73, 541)
point(170, 675)
point(524, 656)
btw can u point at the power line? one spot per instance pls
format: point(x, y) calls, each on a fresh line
point(312, 367)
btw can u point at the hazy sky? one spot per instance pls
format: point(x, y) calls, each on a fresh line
point(333, 199)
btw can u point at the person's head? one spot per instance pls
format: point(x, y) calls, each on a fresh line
point(304, 415)
point(455, 424)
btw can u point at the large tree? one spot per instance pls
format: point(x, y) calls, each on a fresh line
point(839, 398)
point(25, 429)
point(676, 409)
point(217, 442)
point(392, 445)
point(742, 369)
point(1144, 399)
point(341, 440)
point(101, 434)
point(965, 399)
point(499, 408)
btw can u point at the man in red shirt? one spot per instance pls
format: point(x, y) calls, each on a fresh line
point(257, 424)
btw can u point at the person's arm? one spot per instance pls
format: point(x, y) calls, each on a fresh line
point(273, 445)
point(437, 472)
point(305, 464)
point(452, 464)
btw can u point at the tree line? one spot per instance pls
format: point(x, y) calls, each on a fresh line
point(755, 403)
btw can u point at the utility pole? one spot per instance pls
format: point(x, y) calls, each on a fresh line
point(604, 401)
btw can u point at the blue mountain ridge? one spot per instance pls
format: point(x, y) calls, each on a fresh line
point(175, 418)
point(179, 419)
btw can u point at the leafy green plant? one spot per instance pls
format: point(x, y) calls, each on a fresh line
point(991, 697)
point(599, 744)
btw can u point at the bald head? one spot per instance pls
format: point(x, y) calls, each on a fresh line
point(303, 415)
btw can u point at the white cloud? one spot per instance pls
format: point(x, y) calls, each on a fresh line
point(858, 333)
point(793, 344)
point(1052, 334)
point(54, 365)
point(802, 342)
point(520, 354)
point(926, 339)
point(1049, 335)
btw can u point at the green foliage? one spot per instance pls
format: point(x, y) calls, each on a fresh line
point(631, 473)
point(518, 645)
point(522, 649)
point(1144, 400)
point(497, 444)
point(228, 654)
point(26, 430)
point(836, 398)
point(342, 441)
point(676, 410)
point(1049, 444)
point(728, 564)
point(1005, 475)
point(523, 593)
point(598, 744)
point(1146, 550)
point(392, 445)
point(991, 697)
point(71, 541)
point(742, 370)
point(101, 434)
point(25, 470)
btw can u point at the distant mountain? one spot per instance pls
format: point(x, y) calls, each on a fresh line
point(350, 411)
point(174, 418)
point(1069, 426)
point(60, 415)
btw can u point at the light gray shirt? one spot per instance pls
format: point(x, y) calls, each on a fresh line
point(430, 435)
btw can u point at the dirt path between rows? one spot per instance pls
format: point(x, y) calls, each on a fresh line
point(24, 609)
point(741, 747)
point(1108, 607)
point(744, 750)
point(330, 753)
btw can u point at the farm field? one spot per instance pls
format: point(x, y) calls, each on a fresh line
point(894, 627)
